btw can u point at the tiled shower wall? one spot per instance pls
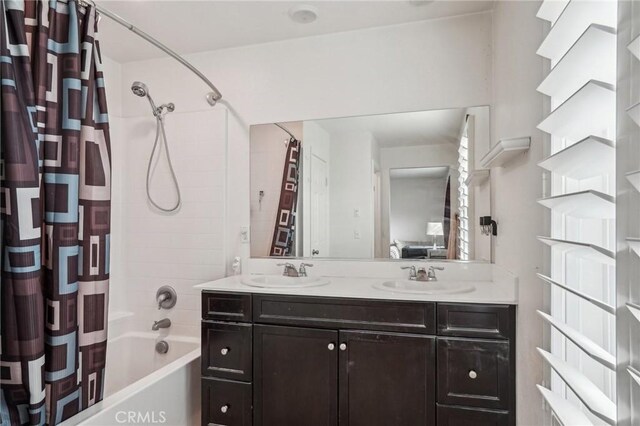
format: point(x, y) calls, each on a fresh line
point(178, 249)
point(152, 248)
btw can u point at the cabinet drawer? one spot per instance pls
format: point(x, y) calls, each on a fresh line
point(361, 314)
point(226, 350)
point(225, 402)
point(462, 416)
point(473, 320)
point(474, 372)
point(226, 306)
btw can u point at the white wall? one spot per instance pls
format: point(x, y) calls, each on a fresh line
point(517, 109)
point(351, 197)
point(413, 203)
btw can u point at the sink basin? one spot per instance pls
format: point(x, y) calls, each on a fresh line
point(279, 281)
point(425, 287)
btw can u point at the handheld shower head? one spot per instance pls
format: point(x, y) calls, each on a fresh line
point(139, 89)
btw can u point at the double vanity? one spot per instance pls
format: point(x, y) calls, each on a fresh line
point(331, 349)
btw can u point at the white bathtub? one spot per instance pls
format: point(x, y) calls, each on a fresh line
point(144, 387)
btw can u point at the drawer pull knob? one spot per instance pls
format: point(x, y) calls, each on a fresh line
point(224, 351)
point(224, 408)
point(331, 346)
point(343, 346)
point(473, 374)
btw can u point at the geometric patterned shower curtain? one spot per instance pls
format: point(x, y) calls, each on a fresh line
point(284, 232)
point(55, 209)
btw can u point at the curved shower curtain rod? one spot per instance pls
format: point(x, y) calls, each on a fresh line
point(286, 131)
point(212, 97)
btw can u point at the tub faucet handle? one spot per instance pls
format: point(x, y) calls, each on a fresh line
point(166, 297)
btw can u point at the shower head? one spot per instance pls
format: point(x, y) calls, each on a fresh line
point(139, 89)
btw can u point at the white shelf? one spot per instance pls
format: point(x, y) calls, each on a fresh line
point(635, 374)
point(634, 113)
point(634, 47)
point(585, 250)
point(634, 244)
point(565, 411)
point(584, 204)
point(634, 179)
point(574, 19)
point(592, 156)
point(634, 309)
point(504, 151)
point(477, 177)
point(589, 394)
point(589, 347)
point(550, 10)
point(592, 57)
point(589, 111)
point(600, 304)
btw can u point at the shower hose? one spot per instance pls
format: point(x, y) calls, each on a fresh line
point(160, 131)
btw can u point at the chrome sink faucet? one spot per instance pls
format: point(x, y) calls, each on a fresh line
point(302, 271)
point(163, 323)
point(289, 270)
point(422, 274)
point(412, 272)
point(431, 275)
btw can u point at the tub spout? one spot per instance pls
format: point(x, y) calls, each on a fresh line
point(163, 323)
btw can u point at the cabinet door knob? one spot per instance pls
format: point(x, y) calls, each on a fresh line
point(224, 408)
point(472, 374)
point(331, 346)
point(343, 346)
point(224, 351)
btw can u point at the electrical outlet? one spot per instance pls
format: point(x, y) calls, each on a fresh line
point(244, 235)
point(356, 235)
point(356, 212)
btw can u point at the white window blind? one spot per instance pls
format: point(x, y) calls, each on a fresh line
point(581, 49)
point(463, 195)
point(628, 217)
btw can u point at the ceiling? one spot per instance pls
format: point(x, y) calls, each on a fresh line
point(196, 26)
point(404, 129)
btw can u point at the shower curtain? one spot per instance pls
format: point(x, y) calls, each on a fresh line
point(285, 227)
point(55, 211)
point(447, 213)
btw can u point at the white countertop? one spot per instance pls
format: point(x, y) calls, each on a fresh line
point(499, 292)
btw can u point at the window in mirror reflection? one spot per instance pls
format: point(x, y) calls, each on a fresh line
point(392, 186)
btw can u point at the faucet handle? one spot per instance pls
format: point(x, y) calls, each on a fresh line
point(437, 268)
point(302, 271)
point(412, 271)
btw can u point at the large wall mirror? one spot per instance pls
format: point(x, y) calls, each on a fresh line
point(392, 186)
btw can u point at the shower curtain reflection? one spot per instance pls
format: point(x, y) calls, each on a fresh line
point(283, 241)
point(55, 210)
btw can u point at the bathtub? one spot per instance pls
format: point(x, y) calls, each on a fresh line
point(144, 387)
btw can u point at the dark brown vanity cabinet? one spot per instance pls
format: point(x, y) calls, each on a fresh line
point(277, 360)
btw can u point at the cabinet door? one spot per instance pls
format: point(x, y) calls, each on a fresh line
point(295, 376)
point(226, 350)
point(226, 402)
point(386, 379)
point(474, 373)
